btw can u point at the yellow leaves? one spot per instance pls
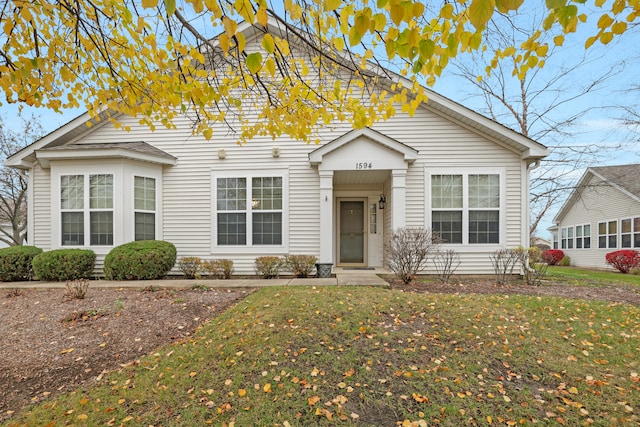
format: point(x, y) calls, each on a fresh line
point(267, 388)
point(480, 12)
point(254, 62)
point(262, 17)
point(149, 3)
point(268, 43)
point(242, 392)
point(313, 400)
point(331, 5)
point(558, 40)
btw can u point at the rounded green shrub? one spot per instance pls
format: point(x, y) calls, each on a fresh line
point(15, 263)
point(141, 260)
point(64, 264)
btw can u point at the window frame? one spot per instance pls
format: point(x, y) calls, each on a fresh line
point(608, 234)
point(583, 238)
point(87, 210)
point(250, 247)
point(145, 211)
point(466, 209)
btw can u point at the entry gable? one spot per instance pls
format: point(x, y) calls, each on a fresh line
point(365, 149)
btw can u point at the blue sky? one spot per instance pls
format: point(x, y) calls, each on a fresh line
point(601, 126)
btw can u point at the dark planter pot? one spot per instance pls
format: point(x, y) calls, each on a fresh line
point(323, 270)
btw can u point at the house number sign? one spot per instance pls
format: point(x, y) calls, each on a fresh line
point(364, 165)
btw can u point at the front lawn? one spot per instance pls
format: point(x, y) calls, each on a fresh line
point(300, 356)
point(585, 276)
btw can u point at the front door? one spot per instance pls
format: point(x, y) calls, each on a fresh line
point(352, 235)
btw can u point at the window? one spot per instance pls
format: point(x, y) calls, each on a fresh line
point(583, 236)
point(630, 232)
point(75, 217)
point(144, 190)
point(465, 208)
point(608, 234)
point(554, 238)
point(249, 211)
point(566, 237)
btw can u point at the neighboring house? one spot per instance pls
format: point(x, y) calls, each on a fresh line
point(446, 167)
point(601, 215)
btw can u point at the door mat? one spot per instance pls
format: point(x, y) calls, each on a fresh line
point(359, 268)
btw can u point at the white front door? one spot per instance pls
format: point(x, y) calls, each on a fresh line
point(352, 232)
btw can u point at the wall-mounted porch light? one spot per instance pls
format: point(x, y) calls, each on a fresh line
point(382, 202)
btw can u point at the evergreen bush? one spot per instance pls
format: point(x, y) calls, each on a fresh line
point(141, 260)
point(60, 265)
point(15, 263)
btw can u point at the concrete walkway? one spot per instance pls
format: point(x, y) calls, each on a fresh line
point(351, 278)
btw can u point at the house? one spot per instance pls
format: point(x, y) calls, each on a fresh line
point(445, 167)
point(601, 215)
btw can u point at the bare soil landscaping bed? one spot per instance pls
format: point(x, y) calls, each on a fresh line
point(51, 343)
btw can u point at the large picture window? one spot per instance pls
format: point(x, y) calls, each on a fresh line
point(145, 208)
point(86, 213)
point(249, 211)
point(465, 208)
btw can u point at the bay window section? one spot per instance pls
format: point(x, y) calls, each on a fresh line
point(76, 220)
point(249, 211)
point(144, 208)
point(72, 209)
point(465, 208)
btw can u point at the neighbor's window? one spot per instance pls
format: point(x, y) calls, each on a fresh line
point(608, 234)
point(74, 201)
point(583, 236)
point(145, 208)
point(465, 208)
point(566, 238)
point(249, 210)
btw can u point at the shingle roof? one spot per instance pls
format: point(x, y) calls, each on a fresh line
point(139, 147)
point(626, 177)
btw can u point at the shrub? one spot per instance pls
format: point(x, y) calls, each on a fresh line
point(64, 264)
point(15, 263)
point(504, 261)
point(623, 260)
point(533, 267)
point(565, 261)
point(407, 251)
point(219, 268)
point(446, 262)
point(191, 266)
point(301, 265)
point(77, 289)
point(552, 256)
point(141, 260)
point(268, 267)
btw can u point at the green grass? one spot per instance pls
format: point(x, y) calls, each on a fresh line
point(368, 356)
point(576, 275)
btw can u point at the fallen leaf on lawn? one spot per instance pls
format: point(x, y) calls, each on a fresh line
point(354, 416)
point(69, 350)
point(192, 374)
point(82, 417)
point(506, 399)
point(242, 392)
point(267, 388)
point(315, 372)
point(313, 400)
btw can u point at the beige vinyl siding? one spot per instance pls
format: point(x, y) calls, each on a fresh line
point(597, 202)
point(41, 235)
point(187, 187)
point(443, 143)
